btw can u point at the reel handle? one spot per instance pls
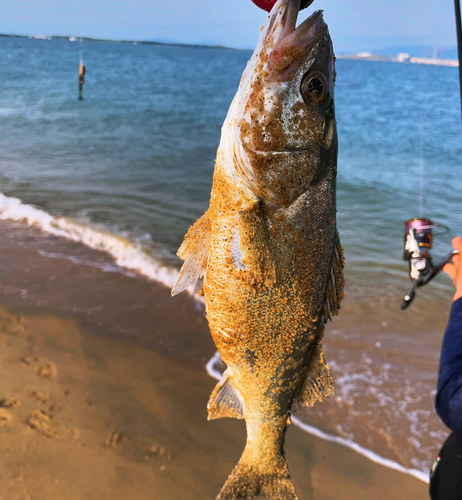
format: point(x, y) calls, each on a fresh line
point(440, 266)
point(408, 298)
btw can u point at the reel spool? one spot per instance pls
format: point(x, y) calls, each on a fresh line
point(418, 241)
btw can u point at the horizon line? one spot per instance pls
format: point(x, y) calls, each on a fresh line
point(114, 40)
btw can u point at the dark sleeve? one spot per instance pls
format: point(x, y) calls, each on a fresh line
point(448, 401)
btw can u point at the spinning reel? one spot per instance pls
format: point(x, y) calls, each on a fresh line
point(418, 240)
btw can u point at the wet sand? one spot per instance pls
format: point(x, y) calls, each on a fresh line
point(92, 411)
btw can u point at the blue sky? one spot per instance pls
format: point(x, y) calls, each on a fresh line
point(354, 24)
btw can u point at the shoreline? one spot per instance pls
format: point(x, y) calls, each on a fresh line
point(365, 347)
point(85, 415)
point(131, 364)
point(110, 40)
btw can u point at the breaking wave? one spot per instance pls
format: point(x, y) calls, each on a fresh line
point(127, 255)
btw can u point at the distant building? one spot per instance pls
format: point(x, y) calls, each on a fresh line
point(403, 57)
point(437, 62)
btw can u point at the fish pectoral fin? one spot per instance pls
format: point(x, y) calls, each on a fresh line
point(254, 242)
point(194, 251)
point(334, 290)
point(225, 400)
point(318, 383)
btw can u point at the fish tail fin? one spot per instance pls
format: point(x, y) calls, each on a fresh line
point(249, 481)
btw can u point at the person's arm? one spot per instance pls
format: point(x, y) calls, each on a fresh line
point(448, 401)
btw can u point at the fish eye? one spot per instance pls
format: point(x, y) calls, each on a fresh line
point(314, 89)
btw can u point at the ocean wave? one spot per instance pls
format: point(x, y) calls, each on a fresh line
point(127, 254)
point(374, 457)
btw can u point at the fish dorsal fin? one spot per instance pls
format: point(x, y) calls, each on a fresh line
point(336, 281)
point(225, 400)
point(318, 383)
point(194, 251)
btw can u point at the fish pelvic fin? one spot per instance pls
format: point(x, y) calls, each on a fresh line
point(318, 383)
point(194, 251)
point(225, 400)
point(336, 282)
point(248, 481)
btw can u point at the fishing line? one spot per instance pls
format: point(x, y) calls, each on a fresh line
point(422, 140)
point(80, 31)
point(423, 88)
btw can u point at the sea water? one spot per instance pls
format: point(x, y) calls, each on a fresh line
point(127, 170)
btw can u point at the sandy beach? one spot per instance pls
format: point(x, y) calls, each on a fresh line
point(88, 412)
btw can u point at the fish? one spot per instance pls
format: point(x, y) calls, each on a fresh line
point(268, 247)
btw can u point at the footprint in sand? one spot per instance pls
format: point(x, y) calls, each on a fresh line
point(44, 370)
point(9, 402)
point(11, 324)
point(152, 449)
point(5, 417)
point(113, 439)
point(155, 451)
point(38, 395)
point(42, 422)
point(47, 370)
point(28, 359)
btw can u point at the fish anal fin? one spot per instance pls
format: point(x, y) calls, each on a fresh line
point(318, 382)
point(194, 251)
point(336, 282)
point(225, 401)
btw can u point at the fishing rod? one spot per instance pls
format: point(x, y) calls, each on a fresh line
point(418, 232)
point(459, 46)
point(79, 21)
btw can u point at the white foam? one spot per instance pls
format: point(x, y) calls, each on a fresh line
point(374, 457)
point(127, 255)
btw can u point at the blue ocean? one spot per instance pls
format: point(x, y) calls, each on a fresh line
point(129, 168)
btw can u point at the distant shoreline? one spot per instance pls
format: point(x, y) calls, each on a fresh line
point(362, 56)
point(402, 58)
point(134, 42)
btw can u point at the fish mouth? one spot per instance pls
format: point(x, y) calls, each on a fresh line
point(284, 17)
point(310, 30)
point(288, 43)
